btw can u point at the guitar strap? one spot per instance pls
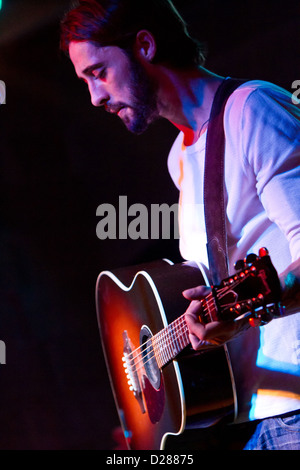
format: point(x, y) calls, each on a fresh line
point(214, 190)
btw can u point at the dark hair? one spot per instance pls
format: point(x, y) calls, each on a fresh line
point(116, 22)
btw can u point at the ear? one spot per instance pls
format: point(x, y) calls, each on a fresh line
point(145, 45)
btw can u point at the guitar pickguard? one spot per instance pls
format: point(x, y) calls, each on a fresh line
point(155, 399)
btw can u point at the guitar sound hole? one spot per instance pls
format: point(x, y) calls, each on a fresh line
point(150, 364)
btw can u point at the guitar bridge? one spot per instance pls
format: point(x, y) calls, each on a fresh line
point(131, 371)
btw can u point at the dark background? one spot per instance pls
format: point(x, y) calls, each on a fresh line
point(60, 158)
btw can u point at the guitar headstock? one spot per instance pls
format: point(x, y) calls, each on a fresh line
point(253, 291)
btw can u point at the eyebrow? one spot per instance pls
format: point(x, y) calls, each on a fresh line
point(88, 70)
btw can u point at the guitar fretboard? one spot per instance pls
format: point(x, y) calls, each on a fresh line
point(170, 341)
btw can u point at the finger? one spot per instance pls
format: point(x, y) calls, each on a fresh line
point(195, 293)
point(195, 309)
point(201, 338)
point(195, 327)
point(198, 344)
point(213, 333)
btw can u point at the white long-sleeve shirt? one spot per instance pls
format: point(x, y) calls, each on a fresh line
point(262, 197)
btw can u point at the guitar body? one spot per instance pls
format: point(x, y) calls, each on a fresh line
point(194, 390)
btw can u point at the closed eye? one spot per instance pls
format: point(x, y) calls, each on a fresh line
point(100, 73)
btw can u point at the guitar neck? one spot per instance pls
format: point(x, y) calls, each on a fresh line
point(170, 341)
point(222, 303)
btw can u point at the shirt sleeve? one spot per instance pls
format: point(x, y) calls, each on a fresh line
point(270, 130)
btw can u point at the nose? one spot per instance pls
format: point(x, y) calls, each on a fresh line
point(99, 95)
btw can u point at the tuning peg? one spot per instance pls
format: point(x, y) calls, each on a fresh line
point(254, 322)
point(236, 309)
point(263, 252)
point(239, 264)
point(251, 258)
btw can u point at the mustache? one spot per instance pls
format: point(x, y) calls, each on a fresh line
point(114, 108)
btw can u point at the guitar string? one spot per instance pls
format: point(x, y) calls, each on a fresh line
point(157, 341)
point(141, 359)
point(168, 355)
point(159, 335)
point(159, 338)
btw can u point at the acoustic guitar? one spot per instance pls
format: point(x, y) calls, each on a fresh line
point(162, 386)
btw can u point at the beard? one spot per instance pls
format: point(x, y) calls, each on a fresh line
point(143, 108)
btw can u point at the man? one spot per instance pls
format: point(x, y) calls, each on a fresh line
point(141, 64)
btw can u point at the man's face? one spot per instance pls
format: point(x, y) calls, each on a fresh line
point(117, 82)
